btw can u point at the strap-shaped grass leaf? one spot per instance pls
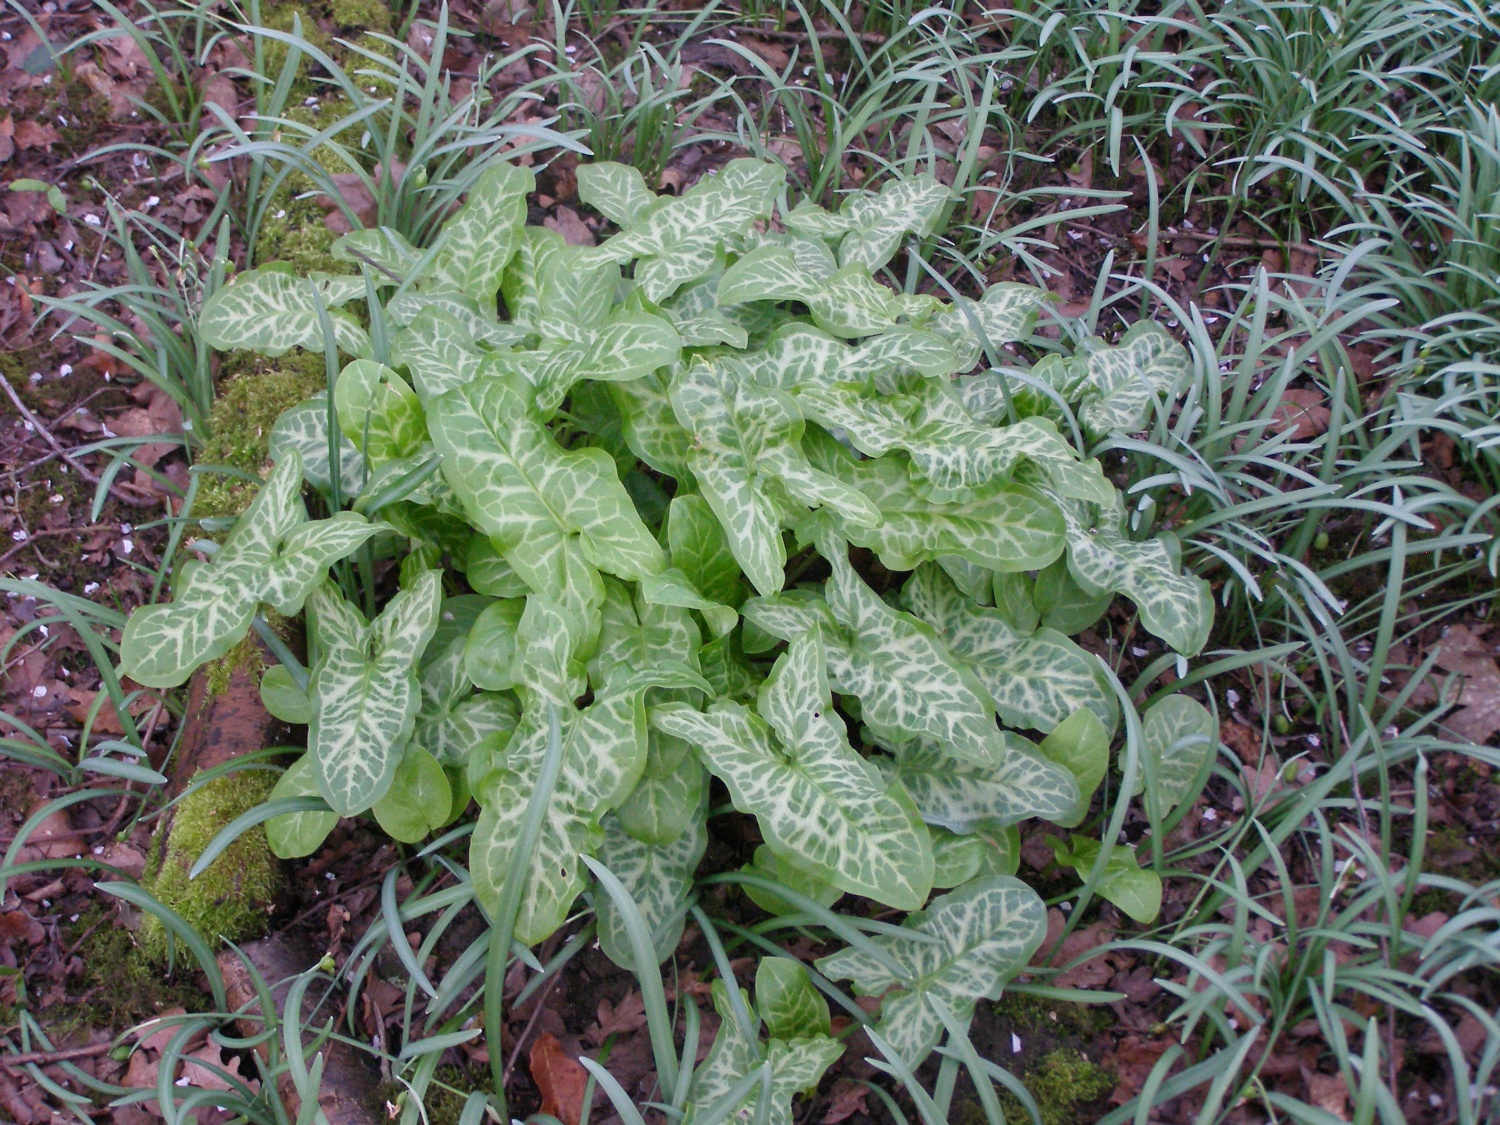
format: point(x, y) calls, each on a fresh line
point(962, 796)
point(1125, 379)
point(1035, 681)
point(1180, 737)
point(985, 930)
point(555, 515)
point(303, 429)
point(378, 412)
point(418, 801)
point(795, 1066)
point(872, 225)
point(479, 240)
point(272, 310)
point(678, 240)
point(438, 352)
point(658, 877)
point(998, 527)
point(294, 835)
point(616, 191)
point(788, 1001)
point(815, 798)
point(1174, 606)
point(365, 692)
point(273, 555)
point(745, 455)
point(603, 755)
point(1125, 883)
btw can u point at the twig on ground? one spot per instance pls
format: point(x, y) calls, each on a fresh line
point(48, 531)
point(40, 427)
point(26, 1058)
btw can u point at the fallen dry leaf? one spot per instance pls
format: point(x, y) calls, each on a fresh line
point(565, 221)
point(1303, 411)
point(1328, 1092)
point(1132, 1061)
point(847, 1099)
point(559, 1078)
point(1471, 660)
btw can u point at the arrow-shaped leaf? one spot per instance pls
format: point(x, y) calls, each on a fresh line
point(271, 310)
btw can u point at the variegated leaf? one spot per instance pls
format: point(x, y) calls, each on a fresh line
point(787, 1000)
point(963, 797)
point(304, 429)
point(603, 754)
point(364, 690)
point(745, 447)
point(616, 191)
point(816, 799)
point(1180, 737)
point(795, 1065)
point(1124, 380)
point(658, 877)
point(452, 720)
point(479, 240)
point(378, 412)
point(766, 864)
point(635, 633)
point(665, 800)
point(1004, 314)
point(650, 426)
point(271, 311)
point(959, 859)
point(1035, 681)
point(437, 351)
point(872, 225)
point(273, 555)
point(478, 324)
point(986, 931)
point(555, 515)
point(391, 257)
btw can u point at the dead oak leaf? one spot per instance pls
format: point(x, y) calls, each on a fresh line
point(1303, 411)
point(1465, 655)
point(559, 1078)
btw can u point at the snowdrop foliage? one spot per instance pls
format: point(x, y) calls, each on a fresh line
point(730, 506)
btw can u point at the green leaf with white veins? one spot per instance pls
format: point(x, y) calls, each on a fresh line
point(404, 308)
point(788, 1001)
point(679, 240)
point(616, 191)
point(479, 240)
point(555, 515)
point(663, 804)
point(745, 454)
point(1003, 315)
point(438, 351)
point(817, 800)
point(1180, 737)
point(650, 427)
point(659, 877)
point(986, 931)
point(962, 797)
point(303, 429)
point(1124, 380)
point(1000, 527)
point(873, 225)
point(294, 835)
point(634, 634)
point(1174, 606)
point(387, 251)
point(907, 680)
point(452, 720)
point(603, 754)
point(272, 310)
point(796, 1065)
point(272, 555)
point(1035, 681)
point(699, 547)
point(378, 412)
point(364, 689)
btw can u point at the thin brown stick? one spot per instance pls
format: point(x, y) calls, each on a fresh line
point(26, 1058)
point(46, 531)
point(40, 427)
point(1241, 241)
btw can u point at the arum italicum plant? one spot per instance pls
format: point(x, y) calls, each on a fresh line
point(630, 503)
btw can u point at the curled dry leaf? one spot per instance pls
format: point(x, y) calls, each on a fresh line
point(1304, 411)
point(559, 1077)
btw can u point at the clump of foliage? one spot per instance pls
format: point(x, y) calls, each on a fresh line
point(637, 521)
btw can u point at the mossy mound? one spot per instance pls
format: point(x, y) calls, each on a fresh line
point(1063, 1083)
point(252, 395)
point(234, 896)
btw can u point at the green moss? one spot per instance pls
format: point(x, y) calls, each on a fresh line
point(233, 897)
point(294, 231)
point(364, 15)
point(1062, 1083)
point(252, 394)
point(244, 657)
point(120, 986)
point(1027, 1013)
